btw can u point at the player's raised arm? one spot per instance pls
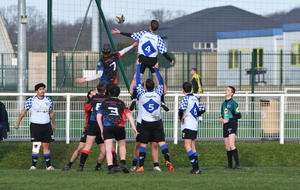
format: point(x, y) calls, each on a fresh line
point(125, 50)
point(83, 80)
point(116, 31)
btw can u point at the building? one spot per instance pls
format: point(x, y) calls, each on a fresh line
point(274, 53)
point(197, 31)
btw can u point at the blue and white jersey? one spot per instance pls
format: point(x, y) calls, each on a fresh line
point(190, 106)
point(149, 103)
point(39, 109)
point(149, 43)
point(139, 116)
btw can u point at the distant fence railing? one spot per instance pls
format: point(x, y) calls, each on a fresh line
point(270, 116)
point(276, 73)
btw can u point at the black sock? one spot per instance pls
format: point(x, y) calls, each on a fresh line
point(98, 165)
point(134, 162)
point(155, 164)
point(115, 160)
point(134, 93)
point(84, 156)
point(70, 164)
point(196, 164)
point(142, 158)
point(123, 162)
point(34, 159)
point(166, 154)
point(162, 98)
point(236, 157)
point(110, 167)
point(229, 158)
point(47, 159)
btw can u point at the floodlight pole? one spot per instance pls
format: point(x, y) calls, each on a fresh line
point(112, 43)
point(21, 55)
point(49, 46)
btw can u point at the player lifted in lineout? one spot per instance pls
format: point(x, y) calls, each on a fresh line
point(149, 46)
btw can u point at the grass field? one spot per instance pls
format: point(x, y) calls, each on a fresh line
point(264, 166)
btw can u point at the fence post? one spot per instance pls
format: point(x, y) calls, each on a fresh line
point(175, 130)
point(281, 119)
point(68, 118)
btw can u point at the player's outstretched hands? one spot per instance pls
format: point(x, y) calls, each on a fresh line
point(135, 44)
point(115, 31)
point(172, 62)
point(80, 80)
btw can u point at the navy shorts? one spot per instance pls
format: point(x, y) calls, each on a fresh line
point(41, 132)
point(83, 137)
point(147, 62)
point(229, 128)
point(148, 129)
point(114, 132)
point(138, 139)
point(189, 134)
point(93, 129)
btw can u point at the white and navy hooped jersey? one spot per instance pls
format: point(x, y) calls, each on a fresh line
point(150, 103)
point(190, 106)
point(39, 109)
point(149, 43)
point(139, 116)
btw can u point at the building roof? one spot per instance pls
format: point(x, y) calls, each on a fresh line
point(291, 17)
point(250, 33)
point(202, 26)
point(5, 43)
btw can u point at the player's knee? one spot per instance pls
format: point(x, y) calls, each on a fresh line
point(154, 145)
point(227, 148)
point(36, 147)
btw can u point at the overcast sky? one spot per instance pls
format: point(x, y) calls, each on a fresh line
point(133, 10)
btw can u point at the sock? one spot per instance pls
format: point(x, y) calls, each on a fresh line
point(84, 156)
point(165, 152)
point(110, 167)
point(196, 164)
point(162, 98)
point(192, 158)
point(134, 93)
point(134, 161)
point(123, 162)
point(47, 159)
point(142, 156)
point(98, 165)
point(34, 159)
point(115, 160)
point(155, 164)
point(236, 157)
point(70, 164)
point(229, 158)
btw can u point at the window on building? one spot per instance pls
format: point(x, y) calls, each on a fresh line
point(233, 59)
point(258, 57)
point(295, 54)
point(205, 45)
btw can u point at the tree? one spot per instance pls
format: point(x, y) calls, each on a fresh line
point(162, 15)
point(275, 15)
point(36, 27)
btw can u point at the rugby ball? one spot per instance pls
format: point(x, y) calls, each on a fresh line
point(120, 18)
